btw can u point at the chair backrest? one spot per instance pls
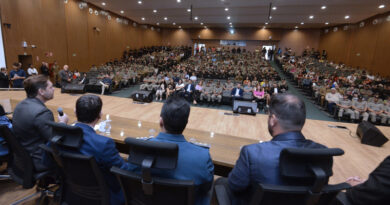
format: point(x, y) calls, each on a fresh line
point(305, 173)
point(20, 164)
point(144, 188)
point(83, 180)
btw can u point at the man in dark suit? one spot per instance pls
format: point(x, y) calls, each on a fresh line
point(194, 162)
point(189, 90)
point(237, 92)
point(259, 163)
point(88, 112)
point(376, 190)
point(45, 69)
point(4, 80)
point(30, 116)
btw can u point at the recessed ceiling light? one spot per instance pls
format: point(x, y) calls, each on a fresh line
point(323, 7)
point(231, 26)
point(201, 23)
point(311, 17)
point(266, 23)
point(346, 17)
point(302, 23)
point(296, 27)
point(154, 11)
point(381, 6)
point(270, 17)
point(143, 18)
point(165, 18)
point(139, 2)
point(230, 23)
point(103, 3)
point(228, 17)
point(157, 23)
point(178, 1)
point(274, 8)
point(326, 23)
point(122, 12)
point(188, 10)
point(173, 23)
point(226, 9)
point(196, 18)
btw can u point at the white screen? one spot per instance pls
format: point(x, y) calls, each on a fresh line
point(2, 55)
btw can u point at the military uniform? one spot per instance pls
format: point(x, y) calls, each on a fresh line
point(348, 103)
point(206, 93)
point(229, 86)
point(217, 94)
point(376, 107)
point(145, 84)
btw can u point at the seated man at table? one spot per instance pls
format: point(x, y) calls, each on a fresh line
point(88, 112)
point(375, 190)
point(194, 162)
point(259, 163)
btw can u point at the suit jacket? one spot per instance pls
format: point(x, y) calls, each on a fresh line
point(4, 81)
point(30, 128)
point(376, 190)
point(241, 92)
point(192, 88)
point(193, 163)
point(259, 163)
point(106, 156)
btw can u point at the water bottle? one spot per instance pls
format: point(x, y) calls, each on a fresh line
point(108, 127)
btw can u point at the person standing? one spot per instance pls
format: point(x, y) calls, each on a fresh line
point(45, 69)
point(64, 77)
point(4, 80)
point(17, 75)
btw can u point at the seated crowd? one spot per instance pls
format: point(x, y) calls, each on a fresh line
point(343, 91)
point(287, 114)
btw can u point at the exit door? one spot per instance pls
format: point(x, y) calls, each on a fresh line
point(25, 60)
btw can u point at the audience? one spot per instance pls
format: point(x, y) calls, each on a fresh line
point(4, 121)
point(30, 116)
point(259, 163)
point(194, 162)
point(88, 112)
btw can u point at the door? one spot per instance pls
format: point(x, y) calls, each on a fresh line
point(25, 60)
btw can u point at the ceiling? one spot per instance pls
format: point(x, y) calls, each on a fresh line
point(245, 13)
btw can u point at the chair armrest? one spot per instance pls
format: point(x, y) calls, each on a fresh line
point(222, 195)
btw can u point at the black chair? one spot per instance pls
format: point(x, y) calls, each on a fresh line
point(21, 168)
point(144, 189)
point(82, 180)
point(305, 173)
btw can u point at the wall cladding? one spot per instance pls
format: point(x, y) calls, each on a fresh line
point(364, 46)
point(68, 33)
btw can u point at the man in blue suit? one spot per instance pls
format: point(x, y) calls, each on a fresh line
point(259, 163)
point(194, 162)
point(88, 112)
point(189, 90)
point(237, 92)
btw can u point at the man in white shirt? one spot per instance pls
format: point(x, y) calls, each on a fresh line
point(333, 98)
point(31, 70)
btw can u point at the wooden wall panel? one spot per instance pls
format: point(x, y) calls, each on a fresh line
point(298, 40)
point(364, 47)
point(67, 31)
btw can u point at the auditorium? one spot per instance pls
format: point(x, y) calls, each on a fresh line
point(190, 102)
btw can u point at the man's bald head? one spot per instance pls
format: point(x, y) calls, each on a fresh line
point(289, 110)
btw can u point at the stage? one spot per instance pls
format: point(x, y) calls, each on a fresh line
point(225, 133)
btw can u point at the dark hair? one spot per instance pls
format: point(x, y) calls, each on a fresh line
point(33, 83)
point(2, 112)
point(88, 108)
point(16, 64)
point(289, 110)
point(175, 113)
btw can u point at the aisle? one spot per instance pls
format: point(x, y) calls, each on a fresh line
point(312, 111)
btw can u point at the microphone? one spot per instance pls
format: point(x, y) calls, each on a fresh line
point(60, 111)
